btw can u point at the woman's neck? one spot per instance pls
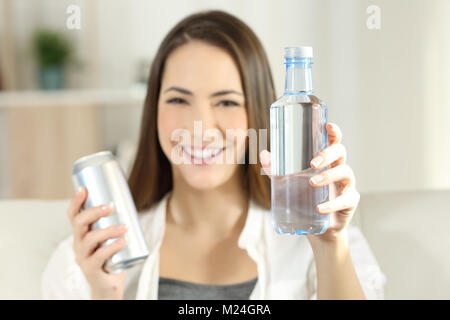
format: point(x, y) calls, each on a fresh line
point(221, 210)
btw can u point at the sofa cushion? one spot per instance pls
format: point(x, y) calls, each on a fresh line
point(408, 233)
point(29, 232)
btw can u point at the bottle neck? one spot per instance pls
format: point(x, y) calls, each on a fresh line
point(298, 76)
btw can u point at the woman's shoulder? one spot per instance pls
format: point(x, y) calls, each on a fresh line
point(285, 253)
point(354, 235)
point(283, 245)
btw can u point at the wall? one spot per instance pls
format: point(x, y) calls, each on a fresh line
point(404, 76)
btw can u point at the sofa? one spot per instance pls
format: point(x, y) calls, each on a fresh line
point(407, 232)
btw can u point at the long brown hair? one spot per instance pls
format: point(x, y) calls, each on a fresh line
point(151, 174)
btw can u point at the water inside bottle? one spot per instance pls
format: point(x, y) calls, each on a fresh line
point(294, 203)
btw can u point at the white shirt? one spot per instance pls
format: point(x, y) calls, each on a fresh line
point(285, 263)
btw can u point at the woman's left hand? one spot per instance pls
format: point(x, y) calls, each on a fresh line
point(344, 197)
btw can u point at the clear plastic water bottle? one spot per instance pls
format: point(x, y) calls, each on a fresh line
point(297, 134)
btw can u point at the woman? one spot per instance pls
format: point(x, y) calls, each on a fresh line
point(207, 221)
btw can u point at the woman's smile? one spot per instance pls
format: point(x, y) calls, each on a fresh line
point(202, 156)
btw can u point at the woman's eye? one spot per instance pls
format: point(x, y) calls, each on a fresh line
point(176, 101)
point(228, 103)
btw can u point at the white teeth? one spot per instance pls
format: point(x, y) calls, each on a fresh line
point(207, 153)
point(198, 153)
point(203, 154)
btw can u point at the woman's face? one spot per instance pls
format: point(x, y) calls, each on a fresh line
point(201, 111)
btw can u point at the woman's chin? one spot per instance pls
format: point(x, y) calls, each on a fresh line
point(206, 179)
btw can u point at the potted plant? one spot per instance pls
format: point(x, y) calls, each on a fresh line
point(52, 51)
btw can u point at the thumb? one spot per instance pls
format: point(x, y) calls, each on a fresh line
point(264, 156)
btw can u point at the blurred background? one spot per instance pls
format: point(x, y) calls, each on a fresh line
point(72, 82)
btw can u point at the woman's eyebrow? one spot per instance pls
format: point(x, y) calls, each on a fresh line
point(220, 93)
point(181, 90)
point(215, 94)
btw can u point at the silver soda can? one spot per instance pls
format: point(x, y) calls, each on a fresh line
point(105, 182)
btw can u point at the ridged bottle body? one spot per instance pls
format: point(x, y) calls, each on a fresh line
point(297, 134)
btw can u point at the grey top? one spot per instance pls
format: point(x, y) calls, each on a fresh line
point(173, 289)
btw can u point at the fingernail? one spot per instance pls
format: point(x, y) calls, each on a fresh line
point(107, 206)
point(123, 227)
point(265, 156)
point(322, 206)
point(79, 190)
point(317, 161)
point(316, 179)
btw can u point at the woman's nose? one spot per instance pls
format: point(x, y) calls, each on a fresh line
point(203, 125)
point(203, 114)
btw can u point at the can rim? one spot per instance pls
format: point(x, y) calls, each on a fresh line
point(78, 162)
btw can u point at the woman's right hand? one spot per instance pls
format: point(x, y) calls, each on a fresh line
point(89, 254)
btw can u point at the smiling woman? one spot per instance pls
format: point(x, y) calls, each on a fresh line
point(204, 60)
point(207, 222)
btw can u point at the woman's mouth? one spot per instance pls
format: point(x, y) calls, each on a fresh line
point(199, 156)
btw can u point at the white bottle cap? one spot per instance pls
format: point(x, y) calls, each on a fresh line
point(298, 52)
